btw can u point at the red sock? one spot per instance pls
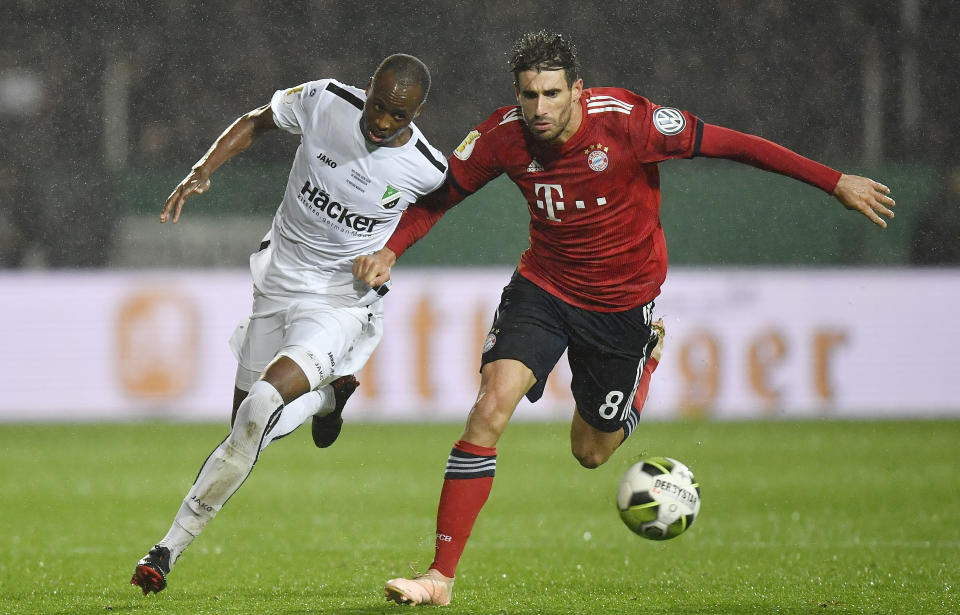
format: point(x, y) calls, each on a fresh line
point(640, 398)
point(466, 485)
point(644, 387)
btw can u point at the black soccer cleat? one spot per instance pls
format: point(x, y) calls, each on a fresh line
point(326, 428)
point(151, 572)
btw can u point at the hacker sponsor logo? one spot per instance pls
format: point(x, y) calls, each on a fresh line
point(321, 202)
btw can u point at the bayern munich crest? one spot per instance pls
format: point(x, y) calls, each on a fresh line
point(597, 158)
point(489, 342)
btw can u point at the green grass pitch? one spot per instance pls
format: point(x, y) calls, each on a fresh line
point(797, 517)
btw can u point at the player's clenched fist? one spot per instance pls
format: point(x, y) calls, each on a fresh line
point(374, 269)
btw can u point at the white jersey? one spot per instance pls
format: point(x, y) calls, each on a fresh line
point(343, 198)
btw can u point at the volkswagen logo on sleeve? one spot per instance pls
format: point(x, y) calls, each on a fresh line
point(669, 121)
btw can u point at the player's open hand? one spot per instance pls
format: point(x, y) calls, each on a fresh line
point(374, 269)
point(192, 183)
point(866, 196)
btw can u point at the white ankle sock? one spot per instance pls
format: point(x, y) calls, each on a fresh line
point(177, 538)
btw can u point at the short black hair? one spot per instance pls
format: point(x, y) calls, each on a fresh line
point(408, 71)
point(545, 50)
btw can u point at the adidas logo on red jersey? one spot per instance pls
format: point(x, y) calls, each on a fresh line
point(534, 166)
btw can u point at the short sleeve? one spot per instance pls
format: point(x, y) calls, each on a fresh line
point(287, 107)
point(661, 133)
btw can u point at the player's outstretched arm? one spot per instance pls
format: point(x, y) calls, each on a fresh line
point(854, 192)
point(374, 269)
point(866, 196)
point(234, 140)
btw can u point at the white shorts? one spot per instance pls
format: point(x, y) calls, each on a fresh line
point(335, 341)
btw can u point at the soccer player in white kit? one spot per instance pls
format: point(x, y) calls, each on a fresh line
point(360, 163)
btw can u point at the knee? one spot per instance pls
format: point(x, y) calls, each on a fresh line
point(490, 416)
point(287, 377)
point(253, 415)
point(502, 385)
point(589, 457)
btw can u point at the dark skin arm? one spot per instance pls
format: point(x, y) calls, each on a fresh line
point(236, 139)
point(282, 373)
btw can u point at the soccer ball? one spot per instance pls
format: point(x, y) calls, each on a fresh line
point(658, 498)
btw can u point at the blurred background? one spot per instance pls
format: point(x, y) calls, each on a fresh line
point(104, 106)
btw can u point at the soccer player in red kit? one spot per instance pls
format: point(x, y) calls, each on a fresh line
point(586, 163)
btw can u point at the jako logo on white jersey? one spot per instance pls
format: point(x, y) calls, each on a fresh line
point(327, 161)
point(311, 195)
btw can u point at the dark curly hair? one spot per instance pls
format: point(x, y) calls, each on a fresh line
point(545, 50)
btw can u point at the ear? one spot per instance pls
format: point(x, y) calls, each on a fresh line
point(369, 87)
point(577, 90)
point(418, 111)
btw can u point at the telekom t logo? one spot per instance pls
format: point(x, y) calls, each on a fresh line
point(547, 190)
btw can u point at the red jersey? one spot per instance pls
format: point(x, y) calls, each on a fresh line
point(594, 201)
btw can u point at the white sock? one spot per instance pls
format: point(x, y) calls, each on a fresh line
point(177, 538)
point(227, 466)
point(320, 402)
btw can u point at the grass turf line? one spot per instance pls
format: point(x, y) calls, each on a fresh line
point(797, 517)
